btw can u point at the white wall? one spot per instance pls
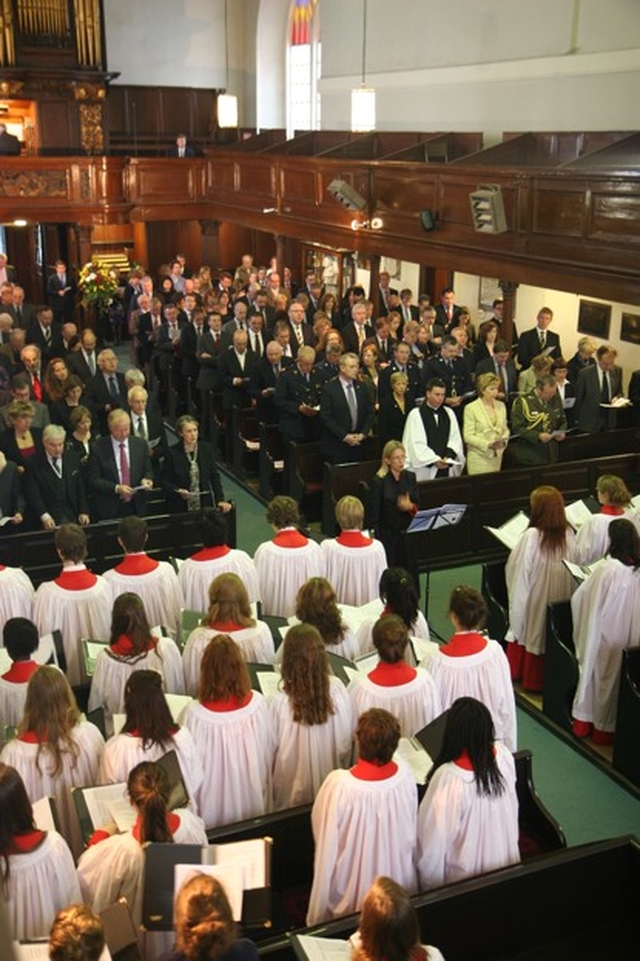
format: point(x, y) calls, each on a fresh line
point(565, 308)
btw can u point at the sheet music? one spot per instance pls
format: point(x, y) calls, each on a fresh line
point(509, 532)
point(367, 662)
point(97, 800)
point(354, 617)
point(39, 951)
point(43, 815)
point(415, 757)
point(177, 704)
point(248, 855)
point(268, 681)
point(122, 812)
point(324, 949)
point(423, 649)
point(229, 876)
point(577, 513)
point(352, 673)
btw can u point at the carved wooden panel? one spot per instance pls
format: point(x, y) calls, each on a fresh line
point(616, 216)
point(559, 211)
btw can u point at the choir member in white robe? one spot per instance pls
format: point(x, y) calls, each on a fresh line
point(77, 603)
point(55, 749)
point(286, 562)
point(472, 665)
point(39, 874)
point(155, 582)
point(229, 612)
point(389, 926)
point(234, 735)
point(364, 823)
point(196, 572)
point(131, 647)
point(112, 867)
point(148, 733)
point(432, 438)
point(606, 614)
point(398, 595)
point(16, 594)
point(313, 720)
point(593, 536)
point(468, 819)
point(20, 639)
point(536, 577)
point(353, 563)
point(316, 604)
point(409, 693)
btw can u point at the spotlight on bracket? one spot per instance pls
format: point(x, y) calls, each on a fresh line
point(376, 223)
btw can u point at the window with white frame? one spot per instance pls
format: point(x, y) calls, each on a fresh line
point(303, 66)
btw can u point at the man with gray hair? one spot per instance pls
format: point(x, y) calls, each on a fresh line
point(54, 485)
point(539, 423)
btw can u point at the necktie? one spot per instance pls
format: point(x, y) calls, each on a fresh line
point(91, 361)
point(503, 379)
point(140, 431)
point(113, 386)
point(353, 405)
point(360, 336)
point(37, 387)
point(216, 338)
point(449, 313)
point(543, 339)
point(47, 335)
point(299, 334)
point(606, 393)
point(19, 316)
point(256, 345)
point(57, 466)
point(125, 475)
point(276, 370)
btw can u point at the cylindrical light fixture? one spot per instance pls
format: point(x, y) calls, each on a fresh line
point(227, 110)
point(363, 98)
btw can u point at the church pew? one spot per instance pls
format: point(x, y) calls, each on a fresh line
point(271, 461)
point(561, 670)
point(340, 480)
point(583, 902)
point(303, 481)
point(245, 433)
point(626, 750)
point(494, 591)
point(293, 848)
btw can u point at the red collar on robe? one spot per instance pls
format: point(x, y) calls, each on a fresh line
point(353, 539)
point(20, 672)
point(228, 703)
point(211, 553)
point(32, 737)
point(612, 510)
point(76, 578)
point(124, 646)
point(225, 627)
point(25, 843)
point(136, 564)
point(464, 644)
point(136, 733)
point(3, 567)
point(290, 537)
point(464, 761)
point(391, 675)
point(368, 771)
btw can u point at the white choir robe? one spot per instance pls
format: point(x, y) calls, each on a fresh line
point(354, 572)
point(237, 750)
point(421, 458)
point(111, 674)
point(361, 829)
point(124, 751)
point(305, 754)
point(593, 537)
point(419, 628)
point(76, 614)
point(195, 577)
point(485, 676)
point(256, 643)
point(113, 868)
point(41, 883)
point(16, 595)
point(281, 573)
point(606, 615)
point(414, 704)
point(535, 579)
point(461, 833)
point(40, 782)
point(12, 700)
point(158, 590)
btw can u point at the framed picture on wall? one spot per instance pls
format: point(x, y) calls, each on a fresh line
point(630, 328)
point(594, 319)
point(489, 291)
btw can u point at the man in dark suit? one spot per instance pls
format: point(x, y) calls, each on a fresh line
point(106, 390)
point(239, 322)
point(46, 335)
point(149, 324)
point(297, 398)
point(182, 148)
point(54, 485)
point(190, 344)
point(447, 310)
point(452, 370)
point(385, 293)
point(401, 363)
point(301, 333)
point(538, 340)
point(503, 367)
point(147, 423)
point(264, 378)
point(408, 311)
point(236, 365)
point(382, 341)
point(346, 414)
point(209, 354)
point(84, 362)
point(61, 293)
point(258, 338)
point(118, 464)
point(358, 331)
point(9, 145)
point(598, 384)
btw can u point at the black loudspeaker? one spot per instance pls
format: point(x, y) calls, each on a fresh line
point(427, 220)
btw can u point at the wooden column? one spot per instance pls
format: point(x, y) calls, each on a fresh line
point(374, 282)
point(210, 243)
point(83, 235)
point(280, 256)
point(508, 288)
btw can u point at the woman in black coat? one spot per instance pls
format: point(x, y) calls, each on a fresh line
point(394, 409)
point(190, 478)
point(393, 502)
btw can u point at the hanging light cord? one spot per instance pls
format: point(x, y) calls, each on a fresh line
point(364, 37)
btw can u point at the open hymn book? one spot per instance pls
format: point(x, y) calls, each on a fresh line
point(511, 531)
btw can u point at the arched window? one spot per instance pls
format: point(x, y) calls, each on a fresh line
point(303, 66)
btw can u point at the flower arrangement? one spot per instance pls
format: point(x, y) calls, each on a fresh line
point(98, 284)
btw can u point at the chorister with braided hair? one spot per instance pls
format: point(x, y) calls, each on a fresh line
point(205, 930)
point(77, 934)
